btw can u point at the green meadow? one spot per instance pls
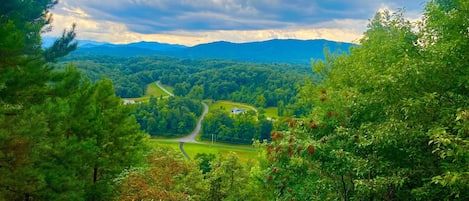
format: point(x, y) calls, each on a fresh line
point(227, 105)
point(244, 152)
point(271, 112)
point(152, 90)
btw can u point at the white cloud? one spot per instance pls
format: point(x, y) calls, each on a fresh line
point(104, 30)
point(101, 21)
point(119, 33)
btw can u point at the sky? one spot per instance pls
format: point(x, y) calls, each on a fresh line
point(192, 22)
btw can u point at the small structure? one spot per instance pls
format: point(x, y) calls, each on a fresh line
point(236, 110)
point(128, 101)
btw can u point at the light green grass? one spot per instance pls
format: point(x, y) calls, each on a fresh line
point(244, 153)
point(227, 105)
point(271, 112)
point(167, 87)
point(152, 90)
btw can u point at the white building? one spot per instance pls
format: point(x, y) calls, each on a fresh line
point(237, 110)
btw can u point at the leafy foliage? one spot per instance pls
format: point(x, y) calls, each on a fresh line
point(387, 121)
point(168, 117)
point(207, 79)
point(235, 128)
point(167, 177)
point(61, 137)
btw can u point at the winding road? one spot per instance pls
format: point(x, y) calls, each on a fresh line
point(191, 137)
point(158, 83)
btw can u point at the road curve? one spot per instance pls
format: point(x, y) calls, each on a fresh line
point(158, 83)
point(191, 137)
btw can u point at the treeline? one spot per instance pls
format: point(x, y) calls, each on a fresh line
point(129, 75)
point(243, 128)
point(255, 84)
point(168, 117)
point(263, 85)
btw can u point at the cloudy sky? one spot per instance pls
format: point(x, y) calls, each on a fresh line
point(191, 22)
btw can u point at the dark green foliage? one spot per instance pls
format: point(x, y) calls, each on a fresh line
point(61, 137)
point(264, 84)
point(168, 117)
point(61, 46)
point(389, 121)
point(204, 161)
point(242, 128)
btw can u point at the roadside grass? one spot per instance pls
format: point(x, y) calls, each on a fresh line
point(227, 105)
point(167, 87)
point(245, 153)
point(152, 90)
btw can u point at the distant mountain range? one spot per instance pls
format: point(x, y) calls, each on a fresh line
point(272, 51)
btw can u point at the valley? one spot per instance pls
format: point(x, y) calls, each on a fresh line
point(189, 144)
point(280, 119)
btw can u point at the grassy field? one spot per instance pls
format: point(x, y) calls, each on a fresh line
point(152, 90)
point(167, 87)
point(271, 112)
point(245, 153)
point(227, 105)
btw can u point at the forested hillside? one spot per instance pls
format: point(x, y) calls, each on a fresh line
point(389, 121)
point(291, 51)
point(218, 79)
point(262, 85)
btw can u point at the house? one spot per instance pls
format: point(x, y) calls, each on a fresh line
point(128, 101)
point(237, 110)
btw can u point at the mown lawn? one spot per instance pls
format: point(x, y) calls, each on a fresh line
point(152, 90)
point(271, 112)
point(244, 152)
point(227, 105)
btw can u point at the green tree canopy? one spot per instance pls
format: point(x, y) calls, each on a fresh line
point(389, 119)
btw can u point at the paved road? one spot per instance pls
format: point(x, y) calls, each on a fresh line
point(158, 83)
point(191, 137)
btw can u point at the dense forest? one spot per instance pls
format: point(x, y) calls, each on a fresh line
point(262, 85)
point(388, 121)
point(219, 79)
point(243, 128)
point(168, 117)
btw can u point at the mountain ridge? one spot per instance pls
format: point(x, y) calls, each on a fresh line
point(293, 51)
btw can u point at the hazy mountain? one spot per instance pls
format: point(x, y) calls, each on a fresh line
point(156, 46)
point(271, 51)
point(289, 50)
point(48, 41)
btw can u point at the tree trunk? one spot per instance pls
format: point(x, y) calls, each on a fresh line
point(95, 174)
